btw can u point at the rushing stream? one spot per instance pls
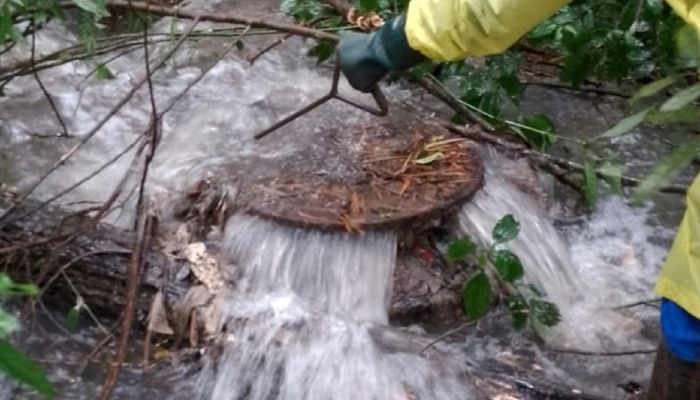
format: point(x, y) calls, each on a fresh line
point(302, 320)
point(307, 318)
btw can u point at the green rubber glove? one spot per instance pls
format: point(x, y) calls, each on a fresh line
point(366, 58)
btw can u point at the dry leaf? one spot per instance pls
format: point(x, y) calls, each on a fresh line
point(157, 317)
point(204, 267)
point(357, 205)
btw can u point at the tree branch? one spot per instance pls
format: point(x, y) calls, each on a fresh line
point(540, 158)
point(64, 130)
point(226, 18)
point(88, 136)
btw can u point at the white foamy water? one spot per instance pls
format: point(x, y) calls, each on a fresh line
point(543, 253)
point(304, 316)
point(611, 259)
point(301, 322)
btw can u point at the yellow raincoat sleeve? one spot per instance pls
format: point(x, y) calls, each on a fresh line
point(452, 29)
point(689, 10)
point(679, 280)
point(448, 30)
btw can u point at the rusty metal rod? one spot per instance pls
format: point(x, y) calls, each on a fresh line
point(381, 110)
point(297, 114)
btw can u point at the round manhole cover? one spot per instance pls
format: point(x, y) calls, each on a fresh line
point(399, 176)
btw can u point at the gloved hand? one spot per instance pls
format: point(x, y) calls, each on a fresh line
point(366, 58)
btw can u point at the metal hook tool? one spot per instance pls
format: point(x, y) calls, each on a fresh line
point(381, 110)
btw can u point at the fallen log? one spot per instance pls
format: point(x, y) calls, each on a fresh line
point(68, 254)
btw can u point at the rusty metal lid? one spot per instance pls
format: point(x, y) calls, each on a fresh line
point(401, 173)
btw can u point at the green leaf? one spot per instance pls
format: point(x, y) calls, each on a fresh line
point(476, 296)
point(626, 124)
point(612, 173)
point(460, 249)
point(97, 8)
point(430, 158)
point(653, 88)
point(666, 169)
point(544, 312)
point(689, 114)
point(102, 72)
point(323, 50)
point(8, 323)
point(682, 98)
point(72, 319)
point(590, 185)
point(506, 229)
point(511, 85)
point(519, 310)
point(541, 133)
point(369, 5)
point(507, 264)
point(10, 288)
point(20, 367)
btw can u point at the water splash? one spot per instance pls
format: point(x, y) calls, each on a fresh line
point(542, 251)
point(303, 322)
point(349, 276)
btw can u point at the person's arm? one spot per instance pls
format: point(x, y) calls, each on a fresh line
point(452, 29)
point(440, 30)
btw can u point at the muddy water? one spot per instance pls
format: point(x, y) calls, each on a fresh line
point(587, 264)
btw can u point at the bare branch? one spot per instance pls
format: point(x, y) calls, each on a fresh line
point(602, 353)
point(94, 130)
point(543, 159)
point(143, 228)
point(226, 18)
point(64, 130)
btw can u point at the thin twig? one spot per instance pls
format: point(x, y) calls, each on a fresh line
point(269, 47)
point(601, 353)
point(226, 18)
point(140, 241)
point(649, 302)
point(566, 86)
point(75, 185)
point(64, 130)
point(541, 158)
point(96, 128)
point(143, 227)
point(113, 43)
point(79, 371)
point(64, 267)
point(458, 329)
point(79, 300)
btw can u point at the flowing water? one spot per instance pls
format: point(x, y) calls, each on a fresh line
point(302, 321)
point(542, 251)
point(308, 315)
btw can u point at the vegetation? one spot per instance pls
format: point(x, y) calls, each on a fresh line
point(641, 44)
point(13, 362)
point(524, 302)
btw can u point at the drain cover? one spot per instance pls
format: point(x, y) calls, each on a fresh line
point(393, 175)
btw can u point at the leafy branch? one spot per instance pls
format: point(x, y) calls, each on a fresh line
point(524, 302)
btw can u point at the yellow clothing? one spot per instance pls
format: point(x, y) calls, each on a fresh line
point(689, 10)
point(453, 29)
point(680, 277)
point(448, 30)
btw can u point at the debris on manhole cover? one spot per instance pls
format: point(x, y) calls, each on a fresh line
point(400, 178)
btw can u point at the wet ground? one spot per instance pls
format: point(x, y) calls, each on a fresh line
point(617, 250)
